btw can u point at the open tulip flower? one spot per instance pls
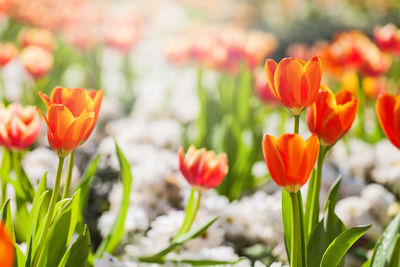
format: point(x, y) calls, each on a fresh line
point(294, 82)
point(332, 115)
point(71, 117)
point(6, 247)
point(202, 169)
point(290, 159)
point(19, 126)
point(388, 112)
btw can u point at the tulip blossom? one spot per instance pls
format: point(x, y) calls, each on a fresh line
point(388, 38)
point(294, 82)
point(71, 117)
point(8, 51)
point(332, 115)
point(388, 112)
point(290, 159)
point(19, 126)
point(37, 37)
point(6, 247)
point(202, 169)
point(37, 61)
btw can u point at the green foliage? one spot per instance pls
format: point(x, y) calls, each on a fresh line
point(112, 239)
point(337, 249)
point(230, 122)
point(386, 250)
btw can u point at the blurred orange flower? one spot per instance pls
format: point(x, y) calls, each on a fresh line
point(6, 247)
point(332, 115)
point(388, 112)
point(38, 37)
point(19, 126)
point(8, 51)
point(294, 82)
point(37, 61)
point(202, 169)
point(374, 86)
point(290, 159)
point(71, 117)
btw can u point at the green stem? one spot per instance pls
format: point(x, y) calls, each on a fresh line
point(67, 185)
point(190, 213)
point(49, 217)
point(314, 192)
point(3, 179)
point(296, 123)
point(298, 248)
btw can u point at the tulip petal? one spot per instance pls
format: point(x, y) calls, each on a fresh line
point(270, 68)
point(274, 160)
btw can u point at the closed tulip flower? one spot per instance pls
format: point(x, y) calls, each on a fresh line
point(19, 126)
point(71, 117)
point(290, 159)
point(8, 51)
point(388, 112)
point(37, 61)
point(201, 168)
point(294, 82)
point(332, 115)
point(6, 247)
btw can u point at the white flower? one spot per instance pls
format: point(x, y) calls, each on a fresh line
point(379, 201)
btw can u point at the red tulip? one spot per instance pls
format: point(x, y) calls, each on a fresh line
point(388, 112)
point(294, 82)
point(202, 169)
point(331, 116)
point(8, 51)
point(19, 126)
point(290, 159)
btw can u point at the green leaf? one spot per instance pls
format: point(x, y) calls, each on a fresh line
point(333, 194)
point(395, 261)
point(339, 247)
point(39, 213)
point(22, 220)
point(287, 220)
point(205, 262)
point(85, 184)
point(112, 239)
point(78, 253)
point(326, 231)
point(6, 217)
point(57, 239)
point(156, 258)
point(74, 214)
point(385, 248)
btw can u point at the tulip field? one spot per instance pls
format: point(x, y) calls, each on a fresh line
point(199, 133)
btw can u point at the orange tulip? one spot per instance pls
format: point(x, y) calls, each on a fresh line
point(19, 126)
point(202, 169)
point(388, 112)
point(294, 82)
point(6, 247)
point(331, 116)
point(71, 117)
point(290, 159)
point(8, 51)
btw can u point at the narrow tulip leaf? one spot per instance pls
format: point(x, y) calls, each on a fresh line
point(326, 231)
point(159, 257)
point(19, 258)
point(395, 261)
point(57, 239)
point(74, 214)
point(333, 194)
point(385, 248)
point(287, 221)
point(39, 215)
point(112, 239)
point(84, 186)
point(77, 254)
point(29, 253)
point(6, 217)
point(22, 226)
point(28, 192)
point(338, 248)
point(207, 262)
point(310, 205)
